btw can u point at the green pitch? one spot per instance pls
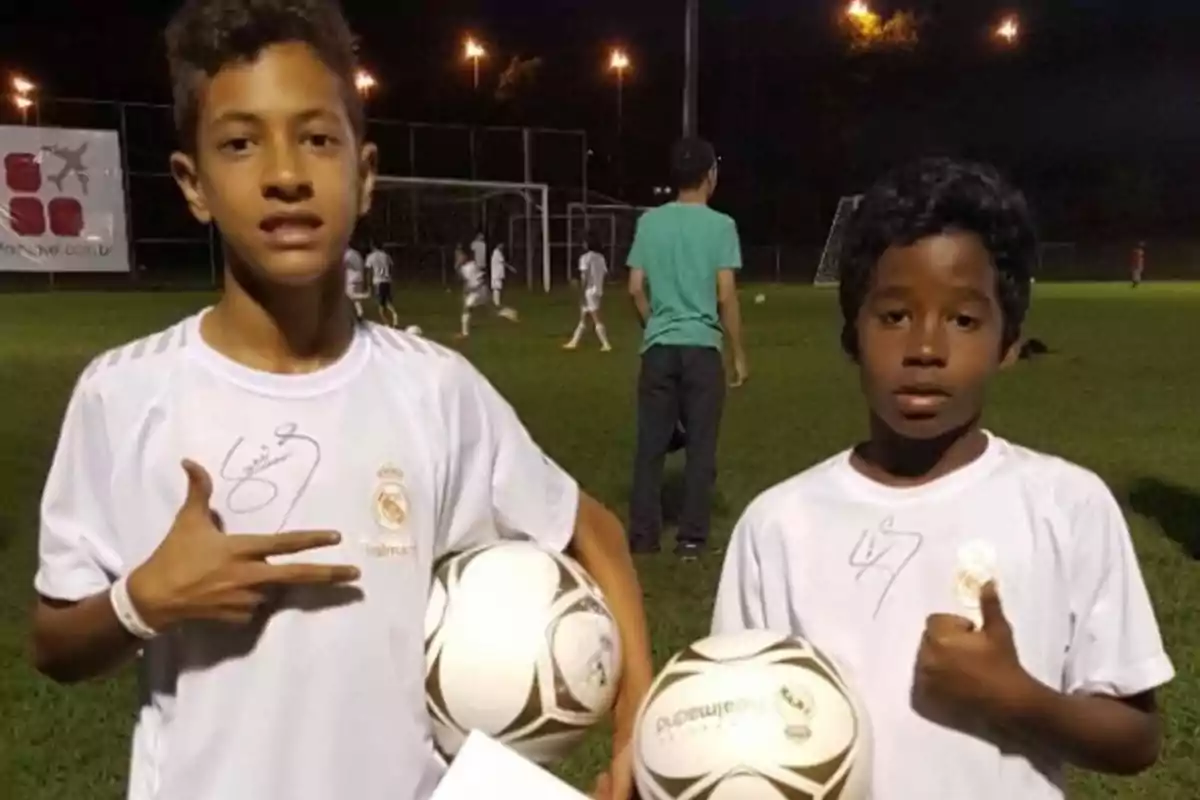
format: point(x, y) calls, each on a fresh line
point(1120, 395)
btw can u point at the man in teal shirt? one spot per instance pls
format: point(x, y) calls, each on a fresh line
point(685, 255)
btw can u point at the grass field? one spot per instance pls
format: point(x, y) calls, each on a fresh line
point(1120, 395)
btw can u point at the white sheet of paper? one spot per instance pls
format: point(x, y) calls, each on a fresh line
point(485, 769)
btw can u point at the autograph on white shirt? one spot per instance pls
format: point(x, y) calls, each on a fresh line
point(884, 552)
point(253, 472)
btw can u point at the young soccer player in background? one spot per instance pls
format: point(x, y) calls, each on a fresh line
point(593, 270)
point(356, 280)
point(380, 265)
point(474, 290)
point(479, 249)
point(1137, 267)
point(984, 598)
point(499, 270)
point(276, 583)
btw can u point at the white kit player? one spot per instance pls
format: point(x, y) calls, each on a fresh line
point(247, 505)
point(500, 269)
point(356, 279)
point(475, 292)
point(380, 265)
point(593, 270)
point(479, 251)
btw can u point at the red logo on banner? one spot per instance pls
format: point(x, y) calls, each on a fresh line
point(63, 216)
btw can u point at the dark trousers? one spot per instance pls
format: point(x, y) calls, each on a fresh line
point(676, 385)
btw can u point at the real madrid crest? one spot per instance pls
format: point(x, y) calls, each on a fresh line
point(391, 503)
point(391, 514)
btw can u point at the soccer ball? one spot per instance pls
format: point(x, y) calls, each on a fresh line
point(414, 330)
point(760, 299)
point(509, 314)
point(520, 645)
point(752, 716)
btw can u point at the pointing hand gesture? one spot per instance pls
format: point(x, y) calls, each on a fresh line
point(200, 573)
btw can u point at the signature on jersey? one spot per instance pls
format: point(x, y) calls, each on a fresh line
point(883, 554)
point(254, 473)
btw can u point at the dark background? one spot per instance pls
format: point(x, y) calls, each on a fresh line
point(1096, 113)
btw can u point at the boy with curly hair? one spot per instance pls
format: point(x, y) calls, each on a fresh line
point(276, 585)
point(893, 556)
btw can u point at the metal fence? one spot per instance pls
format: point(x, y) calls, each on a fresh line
point(169, 249)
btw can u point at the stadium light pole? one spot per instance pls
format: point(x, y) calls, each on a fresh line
point(475, 53)
point(365, 83)
point(691, 79)
point(23, 99)
point(618, 64)
point(1009, 30)
point(858, 10)
point(23, 104)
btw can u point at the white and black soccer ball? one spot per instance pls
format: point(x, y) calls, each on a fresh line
point(521, 645)
point(752, 716)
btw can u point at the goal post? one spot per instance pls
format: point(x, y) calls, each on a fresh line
point(830, 269)
point(420, 220)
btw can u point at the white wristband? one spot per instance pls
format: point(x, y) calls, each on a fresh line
point(127, 614)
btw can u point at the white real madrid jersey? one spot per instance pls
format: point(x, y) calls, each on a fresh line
point(379, 263)
point(593, 270)
point(856, 568)
point(401, 446)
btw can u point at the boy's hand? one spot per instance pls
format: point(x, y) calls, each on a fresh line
point(199, 572)
point(964, 668)
point(741, 371)
point(617, 783)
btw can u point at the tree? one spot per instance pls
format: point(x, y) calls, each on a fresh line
point(867, 32)
point(517, 78)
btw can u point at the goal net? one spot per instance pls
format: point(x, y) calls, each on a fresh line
point(420, 221)
point(830, 269)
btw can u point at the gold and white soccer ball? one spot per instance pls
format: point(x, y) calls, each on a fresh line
point(760, 299)
point(521, 645)
point(752, 716)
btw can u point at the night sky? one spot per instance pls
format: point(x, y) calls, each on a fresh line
point(1096, 114)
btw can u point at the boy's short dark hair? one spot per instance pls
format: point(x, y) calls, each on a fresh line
point(933, 196)
point(206, 36)
point(691, 161)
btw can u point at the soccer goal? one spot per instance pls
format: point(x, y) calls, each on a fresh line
point(830, 269)
point(419, 221)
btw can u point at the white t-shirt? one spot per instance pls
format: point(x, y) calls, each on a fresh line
point(856, 568)
point(499, 265)
point(352, 262)
point(479, 251)
point(380, 264)
point(472, 277)
point(326, 698)
point(593, 269)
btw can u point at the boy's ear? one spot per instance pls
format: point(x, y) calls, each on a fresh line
point(183, 170)
point(368, 171)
